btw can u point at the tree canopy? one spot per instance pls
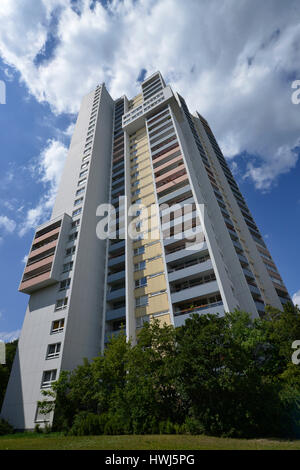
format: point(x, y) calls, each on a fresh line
point(220, 375)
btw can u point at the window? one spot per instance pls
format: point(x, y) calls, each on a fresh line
point(139, 251)
point(136, 183)
point(87, 150)
point(53, 350)
point(65, 284)
point(141, 301)
point(85, 165)
point(77, 212)
point(73, 236)
point(80, 191)
point(82, 173)
point(49, 376)
point(58, 326)
point(141, 282)
point(61, 303)
point(78, 201)
point(140, 266)
point(86, 158)
point(67, 267)
point(75, 223)
point(41, 417)
point(141, 320)
point(70, 251)
point(81, 182)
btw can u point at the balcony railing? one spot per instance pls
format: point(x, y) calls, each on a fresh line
point(197, 309)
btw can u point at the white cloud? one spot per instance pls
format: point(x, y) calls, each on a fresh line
point(70, 130)
point(233, 64)
point(296, 298)
point(25, 259)
point(10, 336)
point(8, 225)
point(48, 169)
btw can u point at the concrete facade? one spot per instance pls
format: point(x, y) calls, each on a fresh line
point(150, 152)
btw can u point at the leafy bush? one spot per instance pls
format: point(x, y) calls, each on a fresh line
point(5, 428)
point(87, 424)
point(223, 376)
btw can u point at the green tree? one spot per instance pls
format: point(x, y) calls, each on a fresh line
point(5, 369)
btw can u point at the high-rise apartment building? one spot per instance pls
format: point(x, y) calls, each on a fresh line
point(149, 158)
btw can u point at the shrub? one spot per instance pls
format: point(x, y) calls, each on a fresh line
point(193, 426)
point(5, 428)
point(87, 424)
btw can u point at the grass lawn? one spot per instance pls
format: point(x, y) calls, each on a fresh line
point(32, 441)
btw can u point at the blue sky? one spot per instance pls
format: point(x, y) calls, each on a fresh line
point(234, 65)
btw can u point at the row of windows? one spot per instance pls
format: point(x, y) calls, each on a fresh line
point(53, 350)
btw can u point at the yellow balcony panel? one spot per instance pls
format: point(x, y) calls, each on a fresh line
point(156, 283)
point(163, 319)
point(153, 267)
point(158, 303)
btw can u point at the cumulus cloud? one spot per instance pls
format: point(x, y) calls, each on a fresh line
point(6, 224)
point(235, 65)
point(10, 336)
point(296, 298)
point(48, 169)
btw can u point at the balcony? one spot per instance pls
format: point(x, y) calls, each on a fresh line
point(248, 273)
point(182, 253)
point(116, 261)
point(254, 289)
point(242, 258)
point(116, 294)
point(135, 119)
point(116, 314)
point(172, 195)
point(260, 306)
point(176, 183)
point(195, 292)
point(120, 191)
point(43, 267)
point(181, 316)
point(191, 270)
point(116, 276)
point(116, 246)
point(38, 265)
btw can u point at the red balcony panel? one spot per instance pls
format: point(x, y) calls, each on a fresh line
point(42, 249)
point(170, 175)
point(168, 163)
point(163, 152)
point(39, 264)
point(118, 159)
point(47, 235)
point(31, 284)
point(172, 183)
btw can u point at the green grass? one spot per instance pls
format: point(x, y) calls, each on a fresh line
point(33, 441)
